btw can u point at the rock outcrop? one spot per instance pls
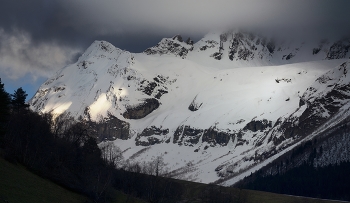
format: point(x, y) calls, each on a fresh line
point(141, 110)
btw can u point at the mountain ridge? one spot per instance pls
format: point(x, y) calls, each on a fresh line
point(212, 112)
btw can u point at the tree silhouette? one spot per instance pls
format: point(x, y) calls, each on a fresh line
point(18, 100)
point(4, 110)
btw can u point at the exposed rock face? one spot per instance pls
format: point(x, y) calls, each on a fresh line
point(141, 110)
point(185, 135)
point(323, 99)
point(151, 136)
point(214, 137)
point(208, 45)
point(339, 49)
point(245, 46)
point(271, 47)
point(156, 87)
point(113, 128)
point(172, 46)
point(289, 56)
point(189, 41)
point(217, 55)
point(258, 125)
point(188, 136)
point(242, 46)
point(194, 106)
point(148, 88)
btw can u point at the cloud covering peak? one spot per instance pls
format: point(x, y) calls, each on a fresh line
point(40, 36)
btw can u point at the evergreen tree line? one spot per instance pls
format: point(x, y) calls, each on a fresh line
point(297, 172)
point(66, 154)
point(329, 182)
point(65, 151)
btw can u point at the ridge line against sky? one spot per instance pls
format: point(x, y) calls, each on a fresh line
point(39, 37)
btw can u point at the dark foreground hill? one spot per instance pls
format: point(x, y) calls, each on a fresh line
point(20, 185)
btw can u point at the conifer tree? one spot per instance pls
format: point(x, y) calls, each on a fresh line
point(19, 100)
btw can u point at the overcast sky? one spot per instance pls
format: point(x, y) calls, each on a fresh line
point(38, 37)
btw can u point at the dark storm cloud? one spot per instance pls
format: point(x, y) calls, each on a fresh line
point(40, 36)
point(199, 16)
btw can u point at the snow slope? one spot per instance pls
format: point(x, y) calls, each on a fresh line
point(211, 113)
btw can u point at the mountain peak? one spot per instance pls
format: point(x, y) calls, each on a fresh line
point(174, 46)
point(178, 38)
point(213, 108)
point(102, 45)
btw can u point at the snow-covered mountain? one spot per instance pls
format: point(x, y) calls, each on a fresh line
point(215, 110)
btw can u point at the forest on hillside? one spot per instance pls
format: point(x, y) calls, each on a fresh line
point(317, 168)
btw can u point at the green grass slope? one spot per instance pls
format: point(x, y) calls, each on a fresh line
point(18, 185)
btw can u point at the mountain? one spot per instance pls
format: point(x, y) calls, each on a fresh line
point(215, 110)
point(317, 167)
